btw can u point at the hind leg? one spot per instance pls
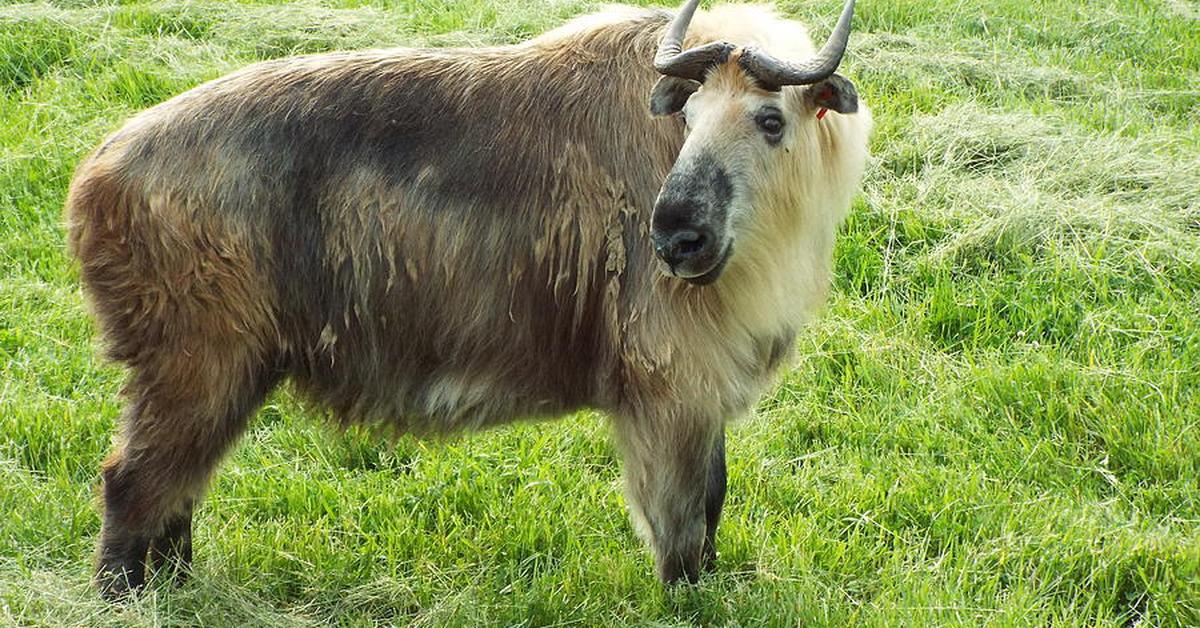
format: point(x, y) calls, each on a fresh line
point(183, 416)
point(171, 550)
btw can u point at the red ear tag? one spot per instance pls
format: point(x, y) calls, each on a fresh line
point(821, 113)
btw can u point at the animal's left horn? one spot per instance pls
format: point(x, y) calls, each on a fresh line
point(775, 73)
point(693, 64)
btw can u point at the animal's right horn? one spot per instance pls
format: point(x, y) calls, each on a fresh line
point(693, 64)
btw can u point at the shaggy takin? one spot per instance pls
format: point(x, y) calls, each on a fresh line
point(624, 214)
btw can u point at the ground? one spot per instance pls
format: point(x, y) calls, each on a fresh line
point(993, 423)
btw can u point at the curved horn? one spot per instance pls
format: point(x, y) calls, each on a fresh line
point(775, 73)
point(672, 60)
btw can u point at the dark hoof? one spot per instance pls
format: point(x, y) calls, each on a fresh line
point(116, 584)
point(676, 572)
point(121, 569)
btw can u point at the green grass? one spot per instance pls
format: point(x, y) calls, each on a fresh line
point(994, 423)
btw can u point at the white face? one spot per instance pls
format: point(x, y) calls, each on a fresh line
point(736, 134)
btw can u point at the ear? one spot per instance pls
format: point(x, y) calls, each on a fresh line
point(836, 93)
point(670, 94)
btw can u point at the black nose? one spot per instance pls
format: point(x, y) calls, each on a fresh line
point(683, 245)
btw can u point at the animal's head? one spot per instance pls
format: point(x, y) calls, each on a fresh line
point(744, 111)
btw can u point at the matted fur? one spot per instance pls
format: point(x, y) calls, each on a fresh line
point(441, 240)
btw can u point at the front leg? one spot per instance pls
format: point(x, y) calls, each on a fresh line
point(668, 472)
point(714, 501)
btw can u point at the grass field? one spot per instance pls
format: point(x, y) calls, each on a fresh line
point(996, 422)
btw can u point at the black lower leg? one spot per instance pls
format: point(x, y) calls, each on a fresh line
point(714, 501)
point(171, 550)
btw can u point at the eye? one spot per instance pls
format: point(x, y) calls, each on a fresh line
point(770, 122)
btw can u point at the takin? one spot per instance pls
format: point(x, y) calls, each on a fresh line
point(624, 214)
